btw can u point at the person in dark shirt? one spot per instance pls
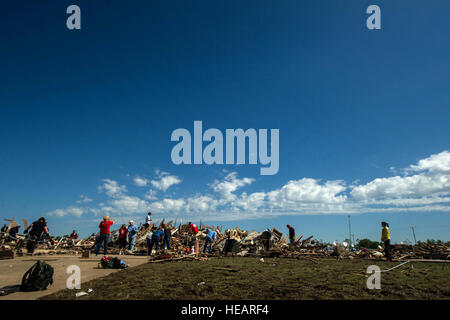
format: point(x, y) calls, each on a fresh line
point(291, 234)
point(13, 233)
point(74, 235)
point(38, 228)
point(4, 228)
point(167, 237)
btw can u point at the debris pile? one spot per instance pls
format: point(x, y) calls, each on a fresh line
point(268, 243)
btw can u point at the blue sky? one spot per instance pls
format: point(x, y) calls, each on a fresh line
point(86, 115)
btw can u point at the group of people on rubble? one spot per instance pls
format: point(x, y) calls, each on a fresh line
point(126, 239)
point(157, 235)
point(38, 231)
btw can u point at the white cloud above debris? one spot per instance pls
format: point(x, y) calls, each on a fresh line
point(165, 182)
point(424, 186)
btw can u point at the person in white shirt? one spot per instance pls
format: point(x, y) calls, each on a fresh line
point(147, 220)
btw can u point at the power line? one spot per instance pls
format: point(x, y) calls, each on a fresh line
point(414, 235)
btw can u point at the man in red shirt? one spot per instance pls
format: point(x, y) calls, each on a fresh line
point(104, 235)
point(123, 237)
point(194, 228)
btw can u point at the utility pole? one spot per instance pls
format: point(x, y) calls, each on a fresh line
point(349, 231)
point(414, 235)
point(354, 242)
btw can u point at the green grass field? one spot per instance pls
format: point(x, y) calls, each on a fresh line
point(272, 279)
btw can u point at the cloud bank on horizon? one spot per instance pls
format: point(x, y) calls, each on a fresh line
point(424, 186)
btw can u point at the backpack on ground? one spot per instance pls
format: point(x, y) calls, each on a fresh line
point(112, 263)
point(38, 277)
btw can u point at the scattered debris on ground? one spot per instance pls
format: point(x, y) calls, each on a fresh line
point(268, 243)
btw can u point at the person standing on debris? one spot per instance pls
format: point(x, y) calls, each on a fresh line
point(74, 235)
point(147, 220)
point(104, 235)
point(38, 229)
point(194, 230)
point(123, 237)
point(4, 228)
point(209, 239)
point(132, 234)
point(386, 239)
point(156, 238)
point(167, 237)
point(291, 234)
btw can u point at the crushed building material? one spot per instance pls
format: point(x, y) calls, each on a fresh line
point(268, 243)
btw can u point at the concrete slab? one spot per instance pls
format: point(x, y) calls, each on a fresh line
point(11, 272)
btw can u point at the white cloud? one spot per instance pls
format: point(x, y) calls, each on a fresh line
point(309, 191)
point(167, 205)
point(112, 188)
point(84, 199)
point(229, 185)
point(126, 205)
point(75, 211)
point(165, 182)
point(151, 195)
point(426, 182)
point(436, 163)
point(140, 182)
point(424, 186)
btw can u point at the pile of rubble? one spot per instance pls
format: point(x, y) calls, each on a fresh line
point(421, 251)
point(268, 243)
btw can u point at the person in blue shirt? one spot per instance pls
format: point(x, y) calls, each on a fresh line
point(210, 237)
point(132, 234)
point(157, 236)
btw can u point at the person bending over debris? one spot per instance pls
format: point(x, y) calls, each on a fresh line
point(167, 237)
point(194, 228)
point(132, 234)
point(123, 237)
point(386, 239)
point(13, 233)
point(194, 231)
point(210, 237)
point(157, 236)
point(104, 235)
point(265, 237)
point(291, 234)
point(38, 228)
point(232, 239)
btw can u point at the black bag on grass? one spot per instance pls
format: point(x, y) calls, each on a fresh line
point(112, 263)
point(38, 277)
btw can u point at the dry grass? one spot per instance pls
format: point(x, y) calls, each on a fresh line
point(273, 279)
